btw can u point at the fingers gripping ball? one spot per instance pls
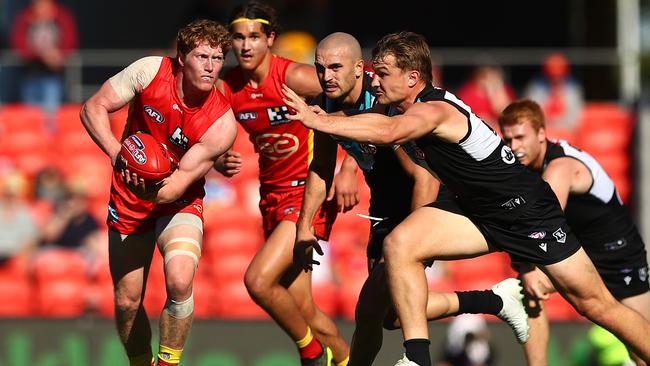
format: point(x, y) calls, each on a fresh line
point(149, 159)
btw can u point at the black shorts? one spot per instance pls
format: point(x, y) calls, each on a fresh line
point(378, 231)
point(540, 235)
point(622, 264)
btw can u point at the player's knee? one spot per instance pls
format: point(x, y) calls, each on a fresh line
point(180, 309)
point(127, 302)
point(179, 286)
point(257, 286)
point(394, 247)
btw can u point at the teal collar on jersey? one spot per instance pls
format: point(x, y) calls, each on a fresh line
point(366, 99)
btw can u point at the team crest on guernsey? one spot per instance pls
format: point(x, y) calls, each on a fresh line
point(506, 155)
point(154, 114)
point(559, 235)
point(278, 115)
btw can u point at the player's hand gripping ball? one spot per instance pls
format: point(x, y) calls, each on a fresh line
point(143, 155)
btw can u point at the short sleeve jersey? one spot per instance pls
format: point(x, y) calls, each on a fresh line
point(285, 147)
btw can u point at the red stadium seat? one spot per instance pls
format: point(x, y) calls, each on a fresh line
point(67, 119)
point(20, 292)
point(226, 268)
point(21, 117)
point(233, 302)
point(479, 273)
point(59, 264)
point(62, 298)
point(231, 240)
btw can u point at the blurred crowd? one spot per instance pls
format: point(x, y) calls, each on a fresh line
point(54, 185)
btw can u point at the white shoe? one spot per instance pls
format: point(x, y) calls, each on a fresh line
point(406, 362)
point(513, 311)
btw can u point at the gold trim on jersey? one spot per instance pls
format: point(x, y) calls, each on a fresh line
point(310, 147)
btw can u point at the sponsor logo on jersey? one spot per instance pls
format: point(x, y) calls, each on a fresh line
point(134, 146)
point(276, 146)
point(179, 139)
point(537, 235)
point(543, 246)
point(643, 274)
point(278, 115)
point(289, 210)
point(513, 203)
point(245, 116)
point(198, 207)
point(256, 95)
point(177, 108)
point(627, 280)
point(559, 235)
point(506, 155)
point(154, 114)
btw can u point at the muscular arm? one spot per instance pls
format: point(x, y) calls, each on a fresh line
point(303, 79)
point(319, 179)
point(200, 158)
point(114, 94)
point(374, 128)
point(425, 186)
point(94, 116)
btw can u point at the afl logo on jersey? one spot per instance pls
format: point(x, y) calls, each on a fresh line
point(506, 155)
point(246, 116)
point(154, 114)
point(276, 146)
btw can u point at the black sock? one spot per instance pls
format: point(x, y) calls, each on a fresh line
point(417, 350)
point(479, 302)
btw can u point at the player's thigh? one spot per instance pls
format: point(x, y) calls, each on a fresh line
point(640, 303)
point(180, 239)
point(129, 258)
point(431, 232)
point(276, 255)
point(577, 279)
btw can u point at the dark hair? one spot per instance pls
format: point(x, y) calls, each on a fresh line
point(256, 10)
point(523, 108)
point(410, 50)
point(199, 31)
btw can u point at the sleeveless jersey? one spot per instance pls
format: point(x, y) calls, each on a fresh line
point(391, 189)
point(285, 147)
point(597, 216)
point(481, 170)
point(159, 111)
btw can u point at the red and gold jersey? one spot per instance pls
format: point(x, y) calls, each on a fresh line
point(285, 147)
point(159, 111)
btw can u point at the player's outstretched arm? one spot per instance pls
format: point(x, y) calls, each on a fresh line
point(373, 128)
point(200, 158)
